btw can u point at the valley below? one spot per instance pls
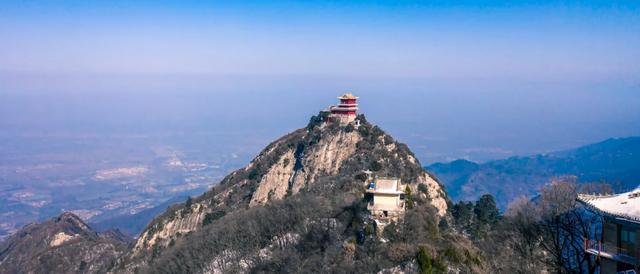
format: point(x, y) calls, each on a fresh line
point(107, 180)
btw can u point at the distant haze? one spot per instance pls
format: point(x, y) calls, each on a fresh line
point(439, 123)
point(469, 80)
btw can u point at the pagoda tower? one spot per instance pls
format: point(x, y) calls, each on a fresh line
point(346, 111)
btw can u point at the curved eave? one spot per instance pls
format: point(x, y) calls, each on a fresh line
point(344, 109)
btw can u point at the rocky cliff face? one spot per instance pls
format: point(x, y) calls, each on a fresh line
point(61, 245)
point(300, 166)
point(322, 158)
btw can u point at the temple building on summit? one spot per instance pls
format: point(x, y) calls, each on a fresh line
point(619, 244)
point(346, 111)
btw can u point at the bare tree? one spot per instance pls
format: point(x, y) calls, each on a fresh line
point(546, 232)
point(522, 219)
point(564, 225)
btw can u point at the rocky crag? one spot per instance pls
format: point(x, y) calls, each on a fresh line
point(61, 245)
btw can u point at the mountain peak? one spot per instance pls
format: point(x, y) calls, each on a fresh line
point(327, 158)
point(65, 244)
point(72, 219)
point(307, 196)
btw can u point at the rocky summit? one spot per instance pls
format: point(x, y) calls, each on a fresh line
point(314, 176)
point(302, 205)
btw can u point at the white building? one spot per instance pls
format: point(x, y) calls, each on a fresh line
point(619, 246)
point(386, 200)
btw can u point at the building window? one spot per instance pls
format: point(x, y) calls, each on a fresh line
point(628, 236)
point(628, 241)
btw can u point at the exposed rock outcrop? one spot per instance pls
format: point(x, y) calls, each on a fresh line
point(298, 166)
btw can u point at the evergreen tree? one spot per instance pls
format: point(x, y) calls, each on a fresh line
point(424, 261)
point(486, 211)
point(486, 216)
point(462, 213)
point(188, 204)
point(409, 197)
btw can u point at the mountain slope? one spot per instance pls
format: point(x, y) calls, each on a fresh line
point(614, 161)
point(61, 245)
point(132, 225)
point(299, 207)
point(316, 172)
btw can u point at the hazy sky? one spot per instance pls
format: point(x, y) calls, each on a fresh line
point(483, 79)
point(532, 40)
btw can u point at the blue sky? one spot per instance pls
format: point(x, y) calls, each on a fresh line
point(482, 79)
point(531, 40)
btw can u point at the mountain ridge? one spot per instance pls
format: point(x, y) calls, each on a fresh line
point(612, 160)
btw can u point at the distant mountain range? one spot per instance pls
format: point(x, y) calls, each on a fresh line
point(615, 161)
